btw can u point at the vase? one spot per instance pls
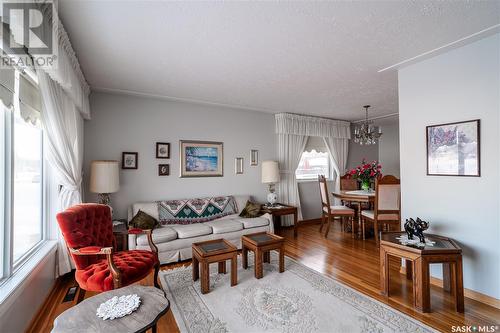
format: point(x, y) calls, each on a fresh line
point(365, 185)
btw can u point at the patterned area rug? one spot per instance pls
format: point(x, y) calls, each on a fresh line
point(298, 300)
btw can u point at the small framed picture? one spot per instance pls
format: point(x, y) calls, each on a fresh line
point(238, 165)
point(453, 149)
point(162, 150)
point(130, 160)
point(164, 170)
point(254, 157)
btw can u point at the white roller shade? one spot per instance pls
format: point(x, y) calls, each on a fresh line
point(30, 101)
point(7, 80)
point(316, 143)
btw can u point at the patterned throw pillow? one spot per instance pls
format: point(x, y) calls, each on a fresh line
point(252, 209)
point(142, 220)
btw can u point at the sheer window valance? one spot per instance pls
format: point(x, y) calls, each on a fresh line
point(67, 73)
point(288, 123)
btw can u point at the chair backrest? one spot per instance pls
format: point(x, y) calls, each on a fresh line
point(388, 195)
point(323, 192)
point(86, 225)
point(347, 183)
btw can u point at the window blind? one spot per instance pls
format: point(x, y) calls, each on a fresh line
point(316, 143)
point(7, 81)
point(30, 104)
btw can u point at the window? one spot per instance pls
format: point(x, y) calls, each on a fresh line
point(315, 160)
point(21, 170)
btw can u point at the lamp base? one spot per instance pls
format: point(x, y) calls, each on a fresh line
point(104, 199)
point(272, 197)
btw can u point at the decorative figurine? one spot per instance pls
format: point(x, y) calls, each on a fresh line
point(417, 228)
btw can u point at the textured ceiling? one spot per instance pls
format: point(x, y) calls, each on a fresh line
point(318, 58)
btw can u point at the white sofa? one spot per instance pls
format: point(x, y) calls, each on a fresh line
point(174, 240)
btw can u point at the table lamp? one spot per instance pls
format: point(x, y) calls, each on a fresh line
point(104, 179)
point(270, 176)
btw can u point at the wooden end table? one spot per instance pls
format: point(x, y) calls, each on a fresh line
point(82, 317)
point(280, 210)
point(217, 250)
point(260, 244)
point(444, 251)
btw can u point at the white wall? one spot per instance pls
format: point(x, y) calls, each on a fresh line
point(388, 148)
point(462, 84)
point(128, 123)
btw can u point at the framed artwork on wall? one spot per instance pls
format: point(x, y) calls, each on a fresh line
point(130, 160)
point(453, 149)
point(164, 170)
point(254, 157)
point(238, 165)
point(162, 150)
point(201, 158)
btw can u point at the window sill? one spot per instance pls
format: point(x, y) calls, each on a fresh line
point(14, 284)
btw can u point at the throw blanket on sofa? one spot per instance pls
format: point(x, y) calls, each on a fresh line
point(195, 210)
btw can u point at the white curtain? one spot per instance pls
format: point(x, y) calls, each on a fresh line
point(338, 149)
point(293, 131)
point(290, 148)
point(63, 125)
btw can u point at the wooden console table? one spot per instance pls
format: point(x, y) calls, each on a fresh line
point(281, 210)
point(444, 251)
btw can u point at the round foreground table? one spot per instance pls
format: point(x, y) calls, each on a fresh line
point(82, 317)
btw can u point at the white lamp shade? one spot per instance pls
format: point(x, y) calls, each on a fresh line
point(104, 177)
point(270, 172)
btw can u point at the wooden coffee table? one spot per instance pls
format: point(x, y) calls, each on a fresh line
point(217, 250)
point(444, 251)
point(82, 317)
point(261, 243)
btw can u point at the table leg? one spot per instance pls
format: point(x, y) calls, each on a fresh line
point(421, 285)
point(359, 220)
point(295, 224)
point(222, 267)
point(258, 264)
point(154, 328)
point(282, 258)
point(457, 273)
point(447, 277)
point(267, 256)
point(234, 270)
point(205, 278)
point(244, 257)
point(409, 269)
point(196, 268)
point(384, 272)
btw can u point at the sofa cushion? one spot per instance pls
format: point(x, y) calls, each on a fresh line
point(224, 226)
point(254, 222)
point(160, 235)
point(143, 220)
point(150, 208)
point(191, 230)
point(241, 200)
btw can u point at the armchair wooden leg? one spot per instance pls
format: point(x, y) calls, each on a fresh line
point(157, 269)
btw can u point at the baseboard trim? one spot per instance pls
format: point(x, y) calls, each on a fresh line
point(477, 296)
point(310, 221)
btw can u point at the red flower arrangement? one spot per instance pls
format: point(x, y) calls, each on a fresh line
point(366, 172)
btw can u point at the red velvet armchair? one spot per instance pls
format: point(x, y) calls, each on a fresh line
point(88, 232)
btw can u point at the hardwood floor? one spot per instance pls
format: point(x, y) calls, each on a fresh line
point(351, 261)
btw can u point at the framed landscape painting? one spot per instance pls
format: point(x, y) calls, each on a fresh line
point(454, 149)
point(201, 158)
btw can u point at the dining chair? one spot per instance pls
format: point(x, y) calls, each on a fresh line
point(328, 212)
point(387, 207)
point(347, 183)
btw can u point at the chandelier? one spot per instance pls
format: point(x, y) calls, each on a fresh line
point(367, 134)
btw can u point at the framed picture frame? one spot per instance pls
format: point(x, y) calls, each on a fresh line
point(163, 169)
point(162, 150)
point(238, 165)
point(130, 160)
point(254, 157)
point(454, 149)
point(201, 158)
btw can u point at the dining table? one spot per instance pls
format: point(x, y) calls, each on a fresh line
point(356, 197)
